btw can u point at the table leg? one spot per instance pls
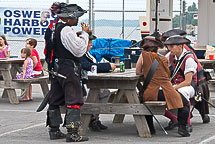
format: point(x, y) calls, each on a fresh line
point(10, 92)
point(85, 118)
point(140, 120)
point(119, 98)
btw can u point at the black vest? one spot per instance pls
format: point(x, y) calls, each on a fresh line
point(61, 52)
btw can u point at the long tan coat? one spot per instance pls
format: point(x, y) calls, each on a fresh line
point(160, 78)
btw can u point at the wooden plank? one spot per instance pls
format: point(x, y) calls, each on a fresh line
point(5, 66)
point(112, 84)
point(85, 118)
point(12, 96)
point(11, 93)
point(140, 120)
point(155, 103)
point(120, 98)
point(13, 85)
point(120, 108)
point(33, 80)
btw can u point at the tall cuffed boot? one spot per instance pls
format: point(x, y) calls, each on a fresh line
point(183, 131)
point(183, 114)
point(205, 118)
point(53, 121)
point(72, 126)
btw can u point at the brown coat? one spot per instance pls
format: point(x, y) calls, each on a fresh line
point(160, 78)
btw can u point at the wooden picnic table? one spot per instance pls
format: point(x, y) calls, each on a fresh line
point(207, 64)
point(125, 102)
point(8, 69)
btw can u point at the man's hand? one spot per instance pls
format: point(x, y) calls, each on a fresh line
point(113, 66)
point(85, 27)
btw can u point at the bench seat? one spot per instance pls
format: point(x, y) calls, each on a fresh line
point(33, 80)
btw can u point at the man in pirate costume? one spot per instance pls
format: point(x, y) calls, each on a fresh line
point(184, 74)
point(160, 82)
point(201, 106)
point(68, 50)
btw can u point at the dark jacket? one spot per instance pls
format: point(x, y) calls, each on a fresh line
point(87, 62)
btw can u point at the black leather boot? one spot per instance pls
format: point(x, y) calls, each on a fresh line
point(72, 126)
point(55, 133)
point(73, 133)
point(93, 126)
point(205, 118)
point(101, 126)
point(183, 131)
point(171, 125)
point(53, 121)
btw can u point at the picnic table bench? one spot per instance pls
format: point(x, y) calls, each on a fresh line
point(9, 68)
point(42, 80)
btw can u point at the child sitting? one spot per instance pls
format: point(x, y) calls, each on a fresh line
point(27, 68)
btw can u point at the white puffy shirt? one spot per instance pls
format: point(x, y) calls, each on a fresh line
point(76, 45)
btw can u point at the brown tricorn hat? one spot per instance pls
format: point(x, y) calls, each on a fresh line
point(151, 42)
point(176, 40)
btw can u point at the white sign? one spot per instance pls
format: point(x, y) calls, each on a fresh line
point(17, 22)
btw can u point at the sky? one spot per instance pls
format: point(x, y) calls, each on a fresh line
point(99, 5)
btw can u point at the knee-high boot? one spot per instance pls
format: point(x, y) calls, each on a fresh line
point(53, 121)
point(72, 125)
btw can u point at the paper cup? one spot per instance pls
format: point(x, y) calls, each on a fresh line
point(211, 56)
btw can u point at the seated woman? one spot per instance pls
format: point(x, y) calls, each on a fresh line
point(160, 88)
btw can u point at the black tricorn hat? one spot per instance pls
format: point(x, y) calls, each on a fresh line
point(176, 40)
point(171, 33)
point(67, 10)
point(151, 42)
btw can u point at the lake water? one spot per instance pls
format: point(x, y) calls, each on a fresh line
point(131, 33)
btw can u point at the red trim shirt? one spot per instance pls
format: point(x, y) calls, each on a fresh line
point(39, 65)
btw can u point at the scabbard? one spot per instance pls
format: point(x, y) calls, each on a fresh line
point(44, 103)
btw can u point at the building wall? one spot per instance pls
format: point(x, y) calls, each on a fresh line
point(165, 9)
point(206, 22)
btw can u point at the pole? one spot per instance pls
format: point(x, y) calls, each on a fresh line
point(123, 19)
point(156, 16)
point(93, 17)
point(180, 14)
point(90, 14)
point(156, 33)
point(67, 1)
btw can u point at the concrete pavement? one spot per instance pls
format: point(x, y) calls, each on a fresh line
point(20, 124)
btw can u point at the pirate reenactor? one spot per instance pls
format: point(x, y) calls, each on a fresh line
point(65, 83)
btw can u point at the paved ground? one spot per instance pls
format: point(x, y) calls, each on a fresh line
point(20, 124)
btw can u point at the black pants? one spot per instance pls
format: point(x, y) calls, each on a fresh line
point(183, 113)
point(66, 91)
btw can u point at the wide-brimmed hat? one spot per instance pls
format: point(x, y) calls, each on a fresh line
point(67, 10)
point(172, 32)
point(176, 40)
point(151, 42)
